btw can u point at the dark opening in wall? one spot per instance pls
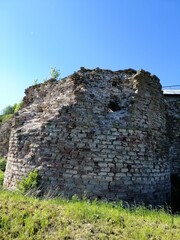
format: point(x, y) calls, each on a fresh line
point(114, 104)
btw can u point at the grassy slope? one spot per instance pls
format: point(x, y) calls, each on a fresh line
point(27, 218)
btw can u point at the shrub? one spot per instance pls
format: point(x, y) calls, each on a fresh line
point(8, 110)
point(1, 178)
point(2, 164)
point(29, 183)
point(4, 118)
point(17, 106)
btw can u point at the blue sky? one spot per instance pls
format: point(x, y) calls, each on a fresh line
point(113, 34)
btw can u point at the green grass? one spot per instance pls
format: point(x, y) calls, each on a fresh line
point(22, 217)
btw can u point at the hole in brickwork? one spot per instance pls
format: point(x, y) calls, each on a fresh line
point(114, 84)
point(114, 106)
point(129, 168)
point(114, 103)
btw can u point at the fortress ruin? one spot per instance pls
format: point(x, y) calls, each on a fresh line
point(110, 134)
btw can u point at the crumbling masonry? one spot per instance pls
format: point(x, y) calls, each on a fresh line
point(99, 132)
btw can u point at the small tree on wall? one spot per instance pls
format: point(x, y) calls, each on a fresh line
point(55, 73)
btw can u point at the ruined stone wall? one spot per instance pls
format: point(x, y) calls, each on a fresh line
point(173, 131)
point(97, 132)
point(5, 130)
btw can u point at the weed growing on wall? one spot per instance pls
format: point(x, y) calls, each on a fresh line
point(1, 178)
point(2, 164)
point(2, 170)
point(29, 183)
point(55, 73)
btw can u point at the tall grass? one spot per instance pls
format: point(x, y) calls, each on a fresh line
point(22, 217)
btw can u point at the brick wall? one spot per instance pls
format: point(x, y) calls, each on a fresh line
point(173, 127)
point(97, 132)
point(5, 130)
